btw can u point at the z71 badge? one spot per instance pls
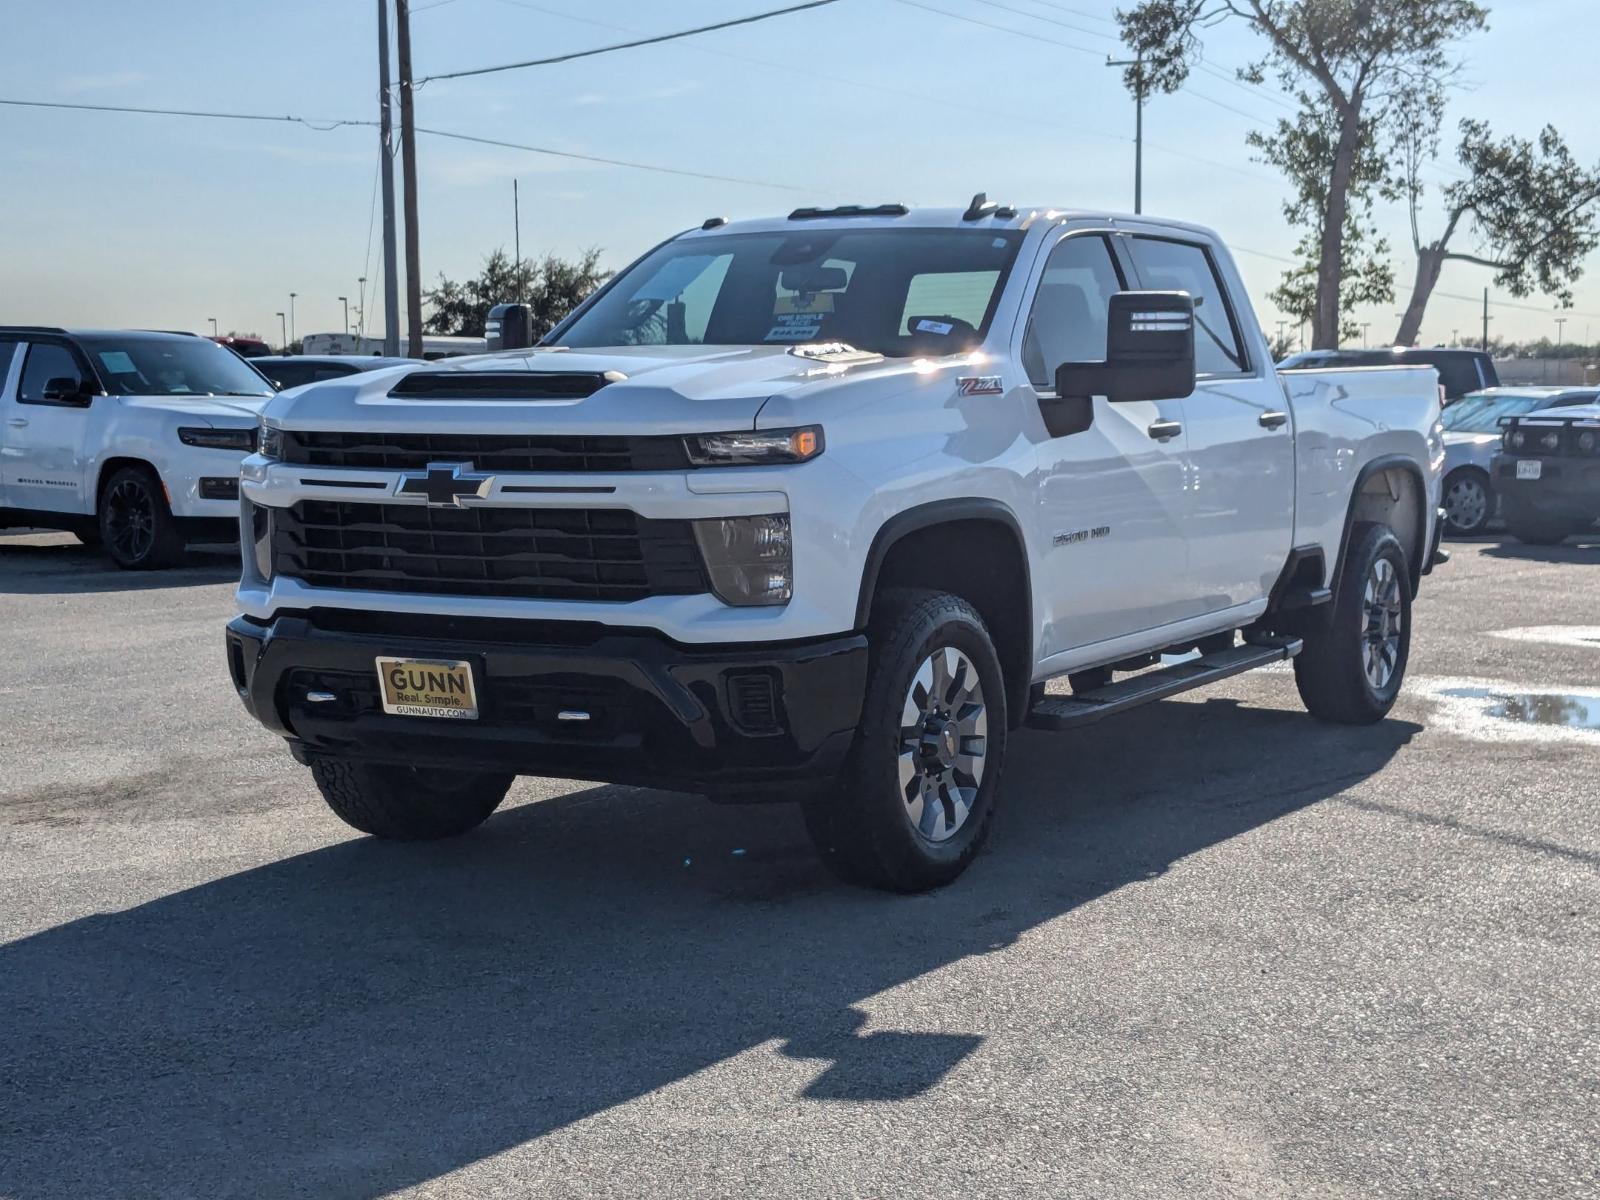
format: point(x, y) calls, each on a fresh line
point(979, 385)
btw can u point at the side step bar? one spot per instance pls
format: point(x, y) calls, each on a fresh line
point(1085, 708)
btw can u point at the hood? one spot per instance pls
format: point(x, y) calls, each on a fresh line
point(1452, 438)
point(232, 410)
point(668, 389)
point(1584, 412)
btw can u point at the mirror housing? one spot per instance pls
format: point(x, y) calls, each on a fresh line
point(1149, 352)
point(66, 390)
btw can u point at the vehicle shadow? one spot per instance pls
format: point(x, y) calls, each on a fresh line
point(1580, 548)
point(369, 1016)
point(32, 565)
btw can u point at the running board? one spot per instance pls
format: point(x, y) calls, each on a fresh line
point(1071, 712)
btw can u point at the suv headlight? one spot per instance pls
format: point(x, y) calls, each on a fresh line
point(759, 448)
point(269, 441)
point(243, 440)
point(750, 559)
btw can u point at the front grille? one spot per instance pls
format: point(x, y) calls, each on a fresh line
point(521, 553)
point(503, 452)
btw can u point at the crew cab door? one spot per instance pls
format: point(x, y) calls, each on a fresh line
point(1110, 498)
point(44, 423)
point(1240, 515)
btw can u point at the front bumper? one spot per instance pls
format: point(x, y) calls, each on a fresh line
point(706, 719)
point(1568, 486)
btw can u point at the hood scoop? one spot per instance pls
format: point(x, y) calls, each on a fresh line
point(503, 385)
point(834, 352)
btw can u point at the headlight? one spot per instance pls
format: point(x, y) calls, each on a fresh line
point(243, 440)
point(270, 442)
point(762, 448)
point(750, 559)
point(1518, 439)
point(1586, 441)
point(1551, 440)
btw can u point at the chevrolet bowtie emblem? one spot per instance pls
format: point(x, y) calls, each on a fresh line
point(446, 485)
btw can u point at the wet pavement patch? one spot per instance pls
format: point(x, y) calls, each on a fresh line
point(1492, 710)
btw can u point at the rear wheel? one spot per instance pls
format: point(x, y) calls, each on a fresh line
point(916, 800)
point(1351, 672)
point(1468, 501)
point(135, 522)
point(408, 804)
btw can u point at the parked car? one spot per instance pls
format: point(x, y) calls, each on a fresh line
point(1472, 436)
point(292, 370)
point(1460, 371)
point(815, 506)
point(1548, 472)
point(127, 438)
point(244, 347)
point(434, 346)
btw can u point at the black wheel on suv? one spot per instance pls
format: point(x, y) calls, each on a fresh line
point(136, 525)
point(916, 801)
point(1468, 501)
point(408, 804)
point(1351, 672)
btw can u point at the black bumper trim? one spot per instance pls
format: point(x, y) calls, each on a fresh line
point(664, 714)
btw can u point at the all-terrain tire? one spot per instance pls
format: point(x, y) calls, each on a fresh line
point(1338, 676)
point(135, 522)
point(407, 804)
point(863, 823)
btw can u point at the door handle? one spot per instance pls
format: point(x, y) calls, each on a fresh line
point(1272, 420)
point(1164, 431)
point(17, 422)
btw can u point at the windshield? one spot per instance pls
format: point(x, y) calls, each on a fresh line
point(899, 292)
point(147, 366)
point(1481, 414)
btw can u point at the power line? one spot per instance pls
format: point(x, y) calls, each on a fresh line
point(648, 41)
point(1022, 12)
point(321, 126)
point(1022, 33)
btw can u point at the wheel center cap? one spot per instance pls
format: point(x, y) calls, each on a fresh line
point(941, 742)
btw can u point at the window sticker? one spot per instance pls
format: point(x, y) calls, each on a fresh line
point(118, 363)
point(939, 327)
point(804, 302)
point(793, 327)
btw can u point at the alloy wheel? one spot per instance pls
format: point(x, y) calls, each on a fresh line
point(130, 520)
point(1381, 602)
point(943, 736)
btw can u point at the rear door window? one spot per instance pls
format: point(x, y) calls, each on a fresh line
point(1170, 266)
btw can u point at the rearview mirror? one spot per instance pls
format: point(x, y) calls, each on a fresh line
point(65, 390)
point(1149, 351)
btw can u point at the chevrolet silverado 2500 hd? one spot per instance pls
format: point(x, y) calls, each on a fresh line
point(131, 438)
point(818, 504)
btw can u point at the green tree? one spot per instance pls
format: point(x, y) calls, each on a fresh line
point(552, 287)
point(1363, 71)
point(1530, 208)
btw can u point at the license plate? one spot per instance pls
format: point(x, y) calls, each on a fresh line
point(428, 687)
point(1529, 468)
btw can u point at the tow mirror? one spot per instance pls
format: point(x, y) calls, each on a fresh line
point(1149, 351)
point(65, 390)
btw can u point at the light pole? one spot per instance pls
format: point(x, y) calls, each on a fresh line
point(1560, 321)
point(283, 332)
point(1137, 63)
point(1455, 337)
point(213, 321)
point(292, 295)
point(345, 300)
point(361, 309)
point(1365, 325)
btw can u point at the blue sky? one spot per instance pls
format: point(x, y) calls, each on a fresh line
point(155, 221)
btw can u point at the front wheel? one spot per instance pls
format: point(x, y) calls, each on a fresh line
point(1350, 672)
point(135, 521)
point(408, 804)
point(916, 800)
point(1468, 502)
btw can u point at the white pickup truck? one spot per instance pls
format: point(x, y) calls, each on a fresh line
point(814, 507)
point(130, 438)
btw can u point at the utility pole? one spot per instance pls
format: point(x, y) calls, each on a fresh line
point(1365, 325)
point(345, 300)
point(1137, 63)
point(1560, 321)
point(516, 226)
point(408, 177)
point(391, 285)
point(361, 307)
point(1486, 320)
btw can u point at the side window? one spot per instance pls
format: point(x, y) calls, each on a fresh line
point(45, 362)
point(1166, 266)
point(1068, 321)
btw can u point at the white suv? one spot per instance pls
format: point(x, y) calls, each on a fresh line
point(130, 438)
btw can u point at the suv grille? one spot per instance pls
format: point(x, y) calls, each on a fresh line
point(523, 553)
point(486, 452)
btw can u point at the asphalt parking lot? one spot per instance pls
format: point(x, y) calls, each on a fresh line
point(1215, 948)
